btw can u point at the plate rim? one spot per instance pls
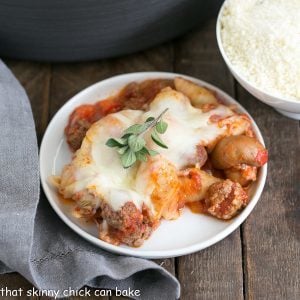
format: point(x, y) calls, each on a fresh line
point(152, 254)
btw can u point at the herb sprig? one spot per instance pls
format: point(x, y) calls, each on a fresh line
point(132, 146)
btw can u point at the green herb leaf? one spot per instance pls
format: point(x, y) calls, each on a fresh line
point(126, 136)
point(135, 129)
point(136, 143)
point(155, 137)
point(152, 152)
point(150, 119)
point(144, 151)
point(161, 127)
point(132, 146)
point(141, 155)
point(128, 158)
point(116, 142)
point(149, 151)
point(122, 150)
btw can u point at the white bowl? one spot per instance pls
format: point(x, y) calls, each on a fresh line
point(189, 233)
point(287, 107)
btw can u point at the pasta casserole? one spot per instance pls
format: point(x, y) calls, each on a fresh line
point(203, 156)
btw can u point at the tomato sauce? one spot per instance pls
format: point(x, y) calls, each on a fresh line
point(197, 207)
point(132, 96)
point(65, 201)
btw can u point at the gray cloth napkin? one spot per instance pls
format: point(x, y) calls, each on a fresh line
point(33, 240)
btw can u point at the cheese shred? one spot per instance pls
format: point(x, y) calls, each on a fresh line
point(261, 38)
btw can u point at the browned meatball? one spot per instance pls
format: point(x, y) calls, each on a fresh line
point(129, 225)
point(76, 133)
point(225, 198)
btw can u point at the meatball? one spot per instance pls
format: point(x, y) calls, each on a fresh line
point(129, 225)
point(76, 133)
point(224, 199)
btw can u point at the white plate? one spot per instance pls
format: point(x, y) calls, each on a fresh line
point(189, 233)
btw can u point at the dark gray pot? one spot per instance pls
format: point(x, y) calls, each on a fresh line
point(71, 30)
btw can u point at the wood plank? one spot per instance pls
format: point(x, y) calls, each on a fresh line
point(215, 273)
point(13, 282)
point(67, 80)
point(271, 234)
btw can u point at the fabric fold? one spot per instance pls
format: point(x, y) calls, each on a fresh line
point(34, 241)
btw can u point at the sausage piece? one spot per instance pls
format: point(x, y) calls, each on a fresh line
point(232, 151)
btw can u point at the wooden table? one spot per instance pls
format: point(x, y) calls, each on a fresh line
point(260, 260)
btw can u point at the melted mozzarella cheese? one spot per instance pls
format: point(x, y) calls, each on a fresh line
point(187, 127)
point(98, 168)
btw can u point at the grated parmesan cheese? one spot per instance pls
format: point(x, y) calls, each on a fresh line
point(262, 40)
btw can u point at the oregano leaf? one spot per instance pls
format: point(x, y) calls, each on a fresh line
point(134, 129)
point(136, 143)
point(114, 142)
point(122, 150)
point(142, 156)
point(155, 137)
point(152, 152)
point(126, 135)
point(161, 127)
point(150, 119)
point(132, 146)
point(149, 151)
point(128, 158)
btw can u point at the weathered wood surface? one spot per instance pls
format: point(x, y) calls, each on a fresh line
point(271, 234)
point(261, 259)
point(215, 273)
